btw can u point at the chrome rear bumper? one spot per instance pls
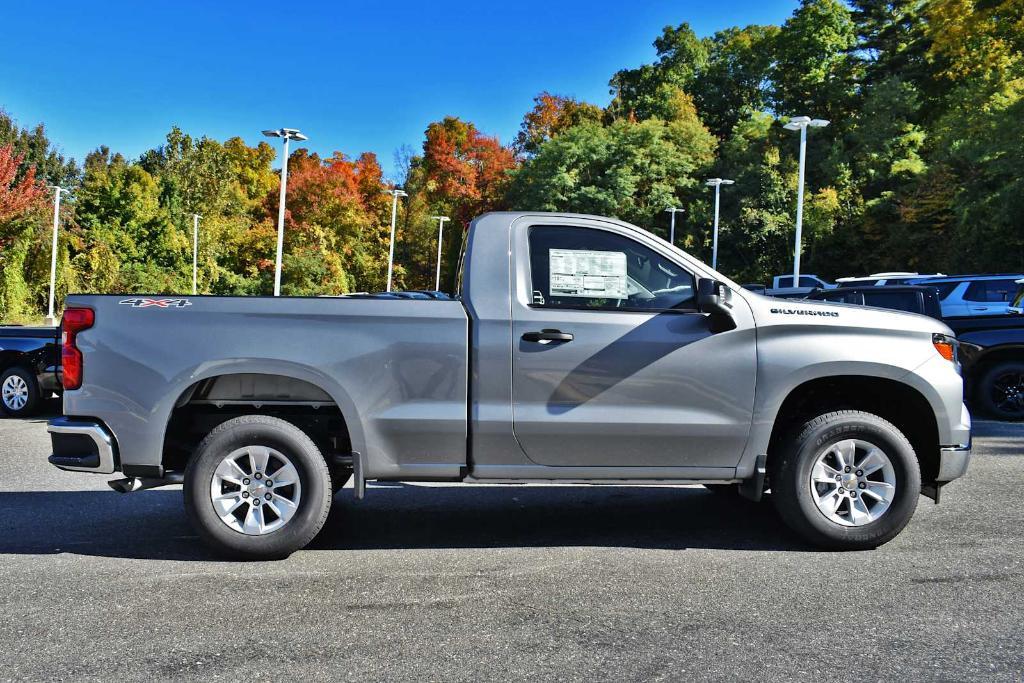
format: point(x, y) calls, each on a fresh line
point(82, 446)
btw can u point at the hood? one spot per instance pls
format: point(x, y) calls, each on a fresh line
point(774, 311)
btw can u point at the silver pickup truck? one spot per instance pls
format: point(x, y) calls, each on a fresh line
point(577, 349)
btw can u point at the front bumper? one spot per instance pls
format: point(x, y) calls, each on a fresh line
point(953, 461)
point(82, 446)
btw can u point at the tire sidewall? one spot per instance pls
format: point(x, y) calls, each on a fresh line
point(33, 392)
point(984, 394)
point(314, 479)
point(796, 482)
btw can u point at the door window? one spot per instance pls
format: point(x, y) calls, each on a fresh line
point(897, 301)
point(592, 269)
point(990, 291)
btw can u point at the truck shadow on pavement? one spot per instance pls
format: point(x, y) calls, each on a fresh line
point(152, 525)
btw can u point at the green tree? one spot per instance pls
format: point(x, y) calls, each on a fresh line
point(629, 170)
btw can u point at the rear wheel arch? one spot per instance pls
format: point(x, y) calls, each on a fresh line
point(204, 404)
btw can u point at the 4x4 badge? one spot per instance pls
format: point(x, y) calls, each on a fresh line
point(159, 303)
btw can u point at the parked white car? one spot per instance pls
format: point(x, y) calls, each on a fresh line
point(883, 279)
point(782, 285)
point(974, 294)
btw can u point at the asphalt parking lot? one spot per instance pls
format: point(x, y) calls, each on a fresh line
point(507, 583)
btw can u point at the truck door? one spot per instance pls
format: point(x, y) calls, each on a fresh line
point(612, 364)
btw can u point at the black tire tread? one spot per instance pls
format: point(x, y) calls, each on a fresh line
point(786, 501)
point(295, 432)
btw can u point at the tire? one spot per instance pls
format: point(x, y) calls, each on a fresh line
point(863, 520)
point(19, 392)
point(272, 536)
point(1000, 392)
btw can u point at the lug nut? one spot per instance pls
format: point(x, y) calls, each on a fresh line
point(847, 468)
point(259, 476)
point(255, 501)
point(245, 481)
point(268, 496)
point(839, 477)
point(862, 485)
point(269, 482)
point(853, 494)
point(245, 494)
point(860, 473)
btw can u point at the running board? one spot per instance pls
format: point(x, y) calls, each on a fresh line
point(133, 484)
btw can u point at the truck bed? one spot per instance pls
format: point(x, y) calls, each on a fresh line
point(399, 366)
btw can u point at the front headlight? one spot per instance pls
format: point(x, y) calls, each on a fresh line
point(947, 347)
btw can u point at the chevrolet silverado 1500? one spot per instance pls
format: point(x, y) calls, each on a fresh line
point(576, 349)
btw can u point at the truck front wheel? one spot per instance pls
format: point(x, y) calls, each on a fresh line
point(847, 480)
point(257, 488)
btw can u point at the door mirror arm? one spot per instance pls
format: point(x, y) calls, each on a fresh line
point(715, 298)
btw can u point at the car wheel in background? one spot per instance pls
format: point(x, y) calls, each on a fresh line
point(847, 480)
point(1001, 391)
point(19, 392)
point(257, 488)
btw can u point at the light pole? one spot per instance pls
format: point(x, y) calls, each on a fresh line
point(57, 189)
point(287, 134)
point(672, 230)
point(440, 237)
point(195, 249)
point(801, 123)
point(717, 184)
point(395, 194)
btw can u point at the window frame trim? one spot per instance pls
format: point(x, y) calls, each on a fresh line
point(580, 225)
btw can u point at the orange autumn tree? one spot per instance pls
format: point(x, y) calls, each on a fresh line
point(465, 173)
point(20, 200)
point(332, 224)
point(552, 114)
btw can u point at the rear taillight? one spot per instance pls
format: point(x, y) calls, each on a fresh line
point(74, 321)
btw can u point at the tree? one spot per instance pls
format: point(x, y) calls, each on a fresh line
point(465, 172)
point(735, 80)
point(648, 91)
point(552, 114)
point(814, 72)
point(630, 170)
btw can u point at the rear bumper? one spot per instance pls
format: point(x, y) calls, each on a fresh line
point(953, 461)
point(82, 446)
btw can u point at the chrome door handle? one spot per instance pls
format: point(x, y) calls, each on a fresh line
point(547, 335)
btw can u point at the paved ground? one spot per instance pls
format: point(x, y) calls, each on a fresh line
point(507, 582)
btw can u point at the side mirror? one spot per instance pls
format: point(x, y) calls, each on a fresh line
point(715, 299)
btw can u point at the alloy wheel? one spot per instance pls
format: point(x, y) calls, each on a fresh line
point(15, 392)
point(853, 482)
point(255, 490)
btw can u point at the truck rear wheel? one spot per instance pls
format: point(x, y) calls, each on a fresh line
point(19, 392)
point(257, 488)
point(847, 480)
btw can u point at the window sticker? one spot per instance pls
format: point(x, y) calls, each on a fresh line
point(587, 274)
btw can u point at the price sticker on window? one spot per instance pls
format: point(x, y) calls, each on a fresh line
point(587, 274)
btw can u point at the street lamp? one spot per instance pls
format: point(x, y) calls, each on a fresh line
point(440, 237)
point(672, 230)
point(717, 184)
point(395, 194)
point(801, 123)
point(195, 249)
point(287, 134)
point(57, 189)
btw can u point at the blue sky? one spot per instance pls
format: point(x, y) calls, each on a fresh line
point(354, 76)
